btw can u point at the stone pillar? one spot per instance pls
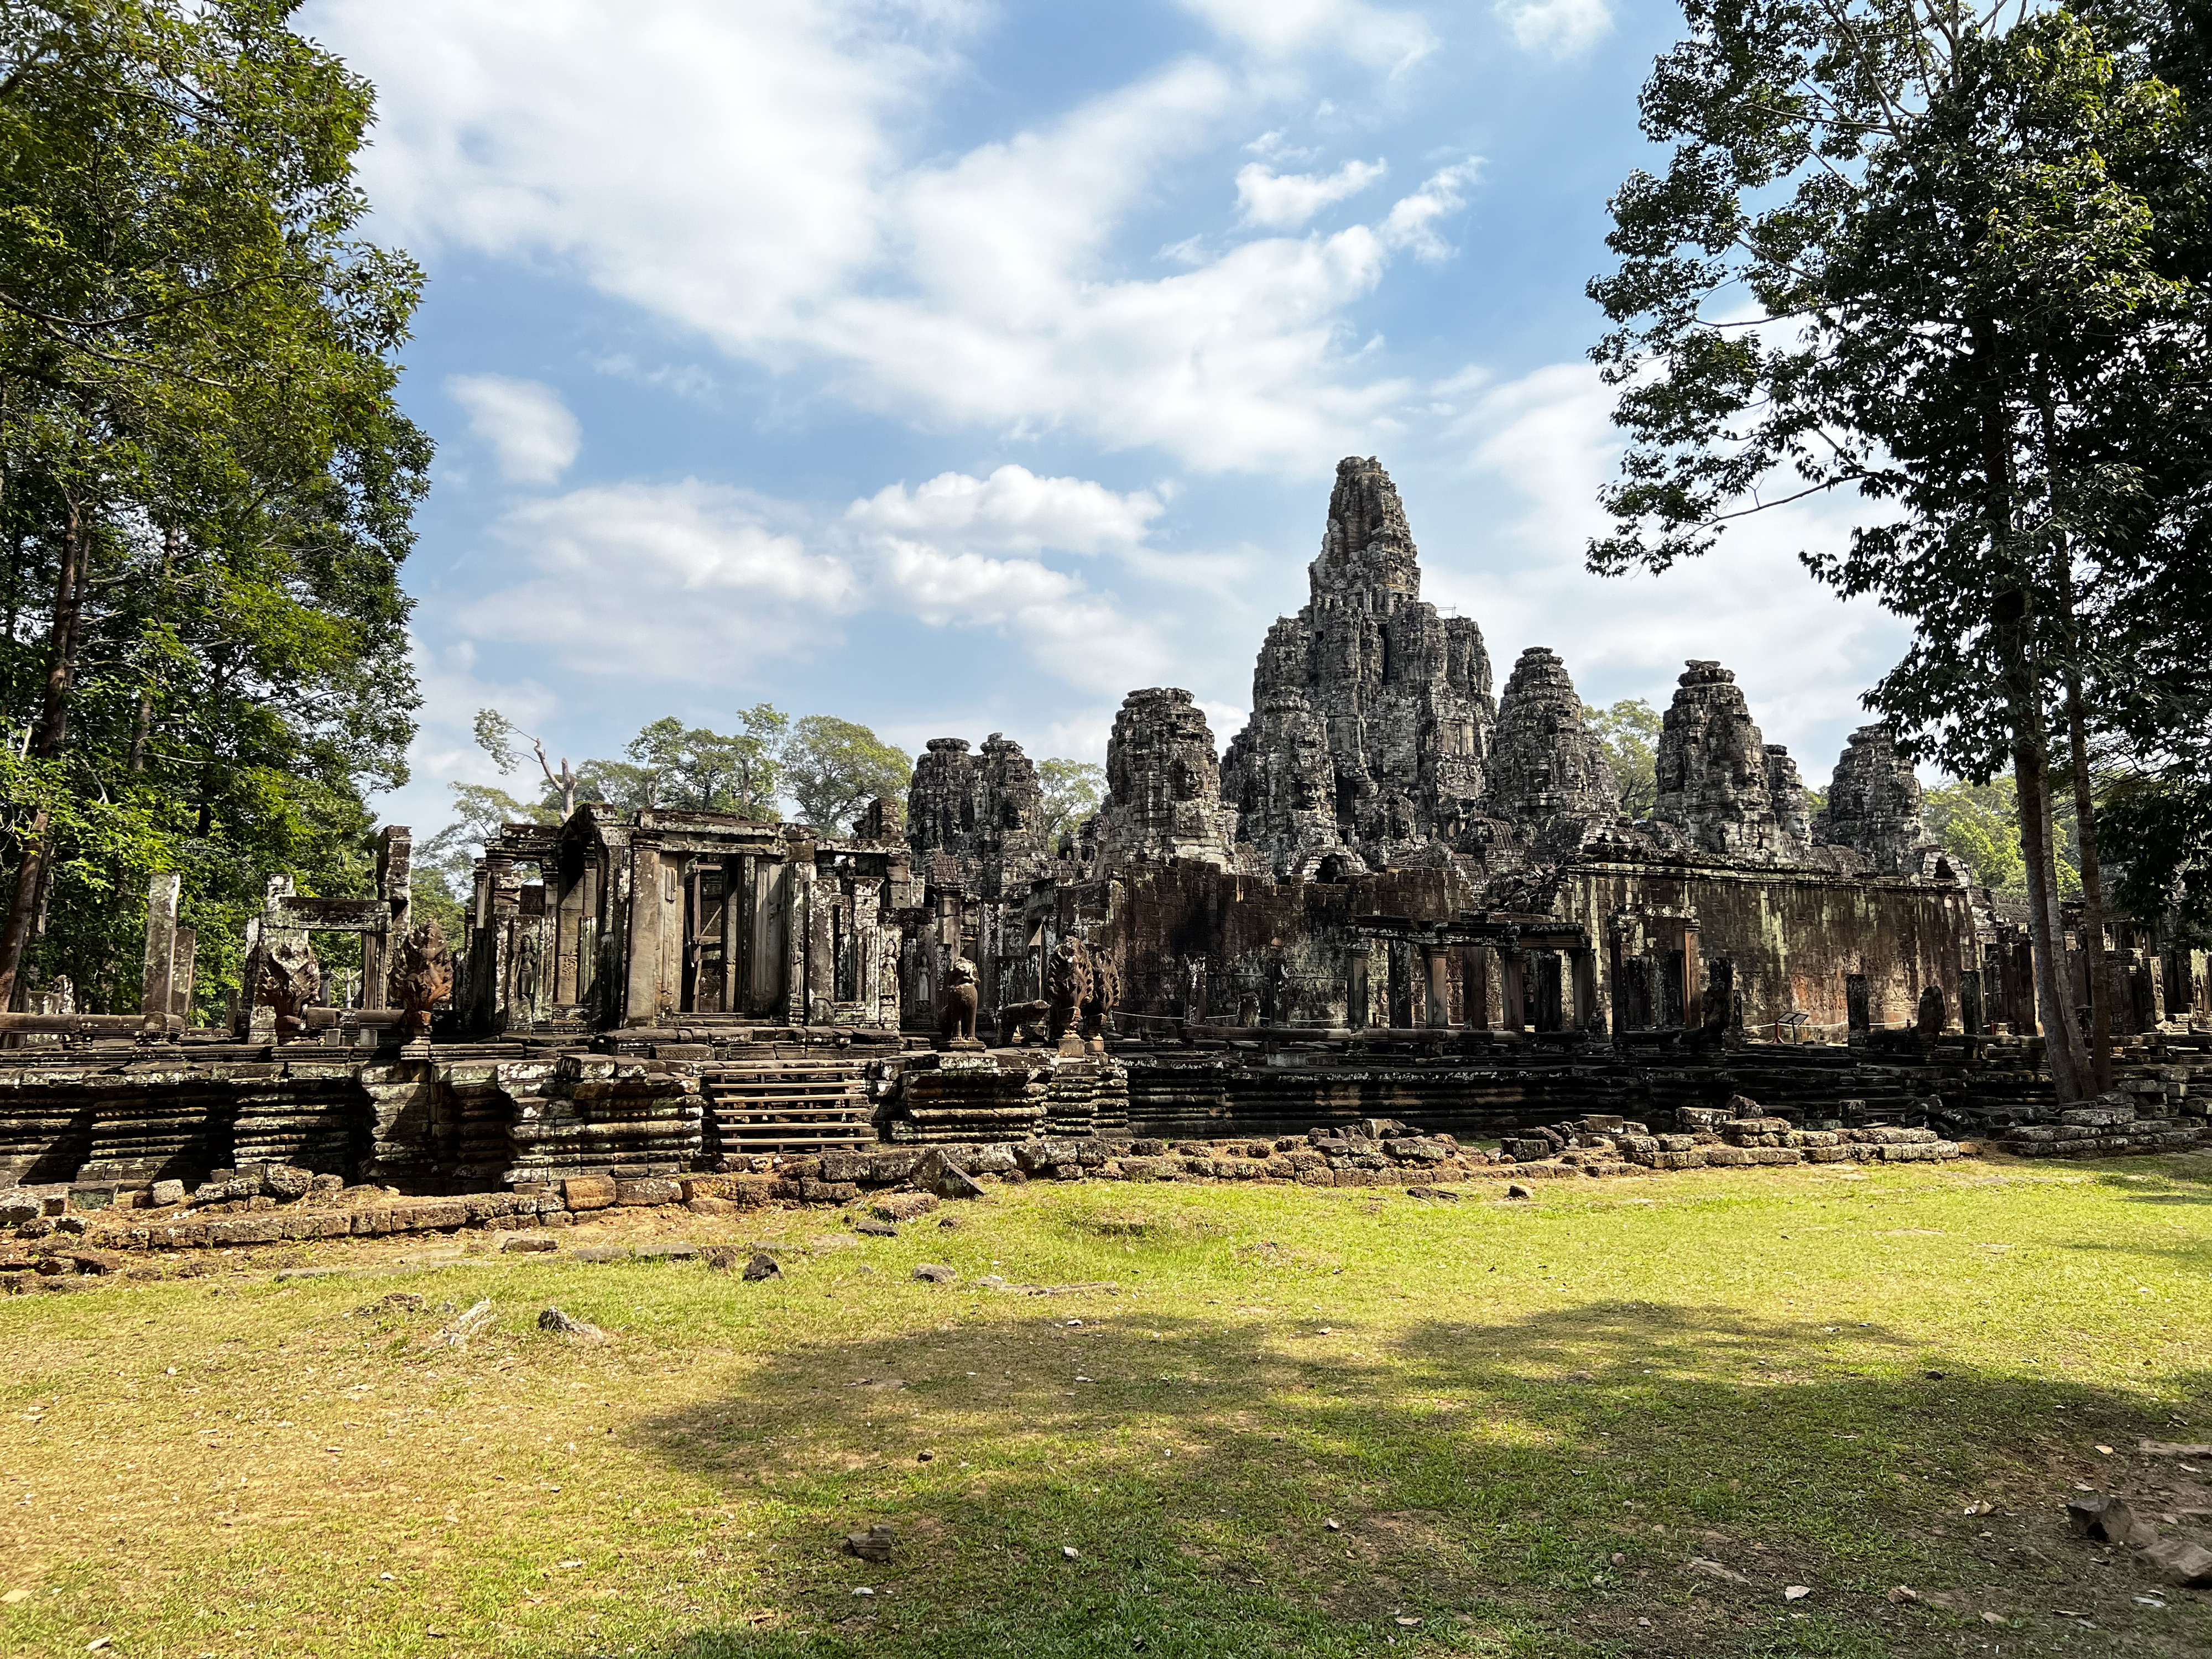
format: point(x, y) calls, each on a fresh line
point(737, 889)
point(1516, 981)
point(1474, 985)
point(183, 970)
point(1693, 989)
point(764, 992)
point(1439, 1009)
point(587, 932)
point(641, 994)
point(798, 930)
point(1551, 1003)
point(1357, 1006)
point(161, 895)
point(1856, 1012)
point(1971, 1018)
point(1583, 971)
point(395, 885)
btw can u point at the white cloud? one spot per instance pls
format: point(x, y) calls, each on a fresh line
point(701, 583)
point(1383, 39)
point(1412, 219)
point(1013, 509)
point(1556, 28)
point(528, 427)
point(686, 381)
point(745, 173)
point(1284, 201)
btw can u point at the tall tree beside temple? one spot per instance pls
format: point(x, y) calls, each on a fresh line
point(1924, 251)
point(205, 483)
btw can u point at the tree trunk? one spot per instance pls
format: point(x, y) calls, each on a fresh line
point(22, 909)
point(2011, 613)
point(46, 744)
point(142, 724)
point(2099, 1068)
point(2032, 792)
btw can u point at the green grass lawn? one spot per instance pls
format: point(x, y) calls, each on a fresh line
point(1524, 1419)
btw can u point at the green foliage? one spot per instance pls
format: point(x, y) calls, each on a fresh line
point(1072, 791)
point(1629, 732)
point(208, 485)
point(1954, 229)
point(1979, 825)
point(832, 768)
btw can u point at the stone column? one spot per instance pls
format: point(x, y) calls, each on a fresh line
point(1858, 1015)
point(798, 931)
point(1439, 1009)
point(1583, 966)
point(1693, 993)
point(1474, 985)
point(183, 969)
point(1517, 980)
point(161, 895)
point(736, 888)
point(1356, 1004)
point(1971, 1018)
point(641, 982)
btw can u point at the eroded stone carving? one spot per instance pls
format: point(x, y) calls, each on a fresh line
point(1548, 772)
point(286, 980)
point(422, 976)
point(1714, 791)
point(1874, 807)
point(982, 812)
point(1372, 715)
point(1163, 785)
point(955, 1010)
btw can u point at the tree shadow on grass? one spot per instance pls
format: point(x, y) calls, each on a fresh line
point(1534, 1486)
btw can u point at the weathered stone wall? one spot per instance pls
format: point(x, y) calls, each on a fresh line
point(1794, 935)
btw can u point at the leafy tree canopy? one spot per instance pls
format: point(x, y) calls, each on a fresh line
point(206, 486)
point(1072, 791)
point(1629, 732)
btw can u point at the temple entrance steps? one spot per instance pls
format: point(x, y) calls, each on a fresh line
point(801, 1102)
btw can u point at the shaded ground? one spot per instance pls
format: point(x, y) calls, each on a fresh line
point(1525, 1419)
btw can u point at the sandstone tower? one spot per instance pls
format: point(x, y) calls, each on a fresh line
point(1371, 714)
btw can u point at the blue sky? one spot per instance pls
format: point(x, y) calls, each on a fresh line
point(956, 367)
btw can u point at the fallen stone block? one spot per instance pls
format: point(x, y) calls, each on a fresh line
point(558, 1323)
point(2179, 1561)
point(2101, 1517)
point(904, 1206)
point(589, 1193)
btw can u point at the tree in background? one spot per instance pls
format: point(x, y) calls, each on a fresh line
point(1947, 221)
point(497, 736)
point(832, 768)
point(1072, 791)
point(206, 486)
point(1629, 732)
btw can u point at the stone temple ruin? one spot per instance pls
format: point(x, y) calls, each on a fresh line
point(1401, 917)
